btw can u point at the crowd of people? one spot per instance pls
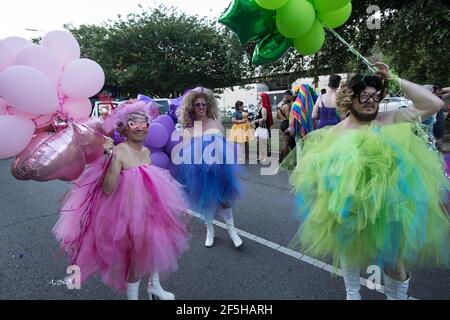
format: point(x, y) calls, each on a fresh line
point(368, 188)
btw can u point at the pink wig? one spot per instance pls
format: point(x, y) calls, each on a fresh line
point(122, 113)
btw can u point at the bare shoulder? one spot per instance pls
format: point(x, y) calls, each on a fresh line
point(339, 128)
point(219, 125)
point(401, 115)
point(388, 117)
point(215, 126)
point(120, 150)
point(146, 151)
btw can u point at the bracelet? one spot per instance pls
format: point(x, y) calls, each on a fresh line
point(395, 84)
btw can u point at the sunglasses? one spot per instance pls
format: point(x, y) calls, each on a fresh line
point(364, 97)
point(200, 104)
point(138, 125)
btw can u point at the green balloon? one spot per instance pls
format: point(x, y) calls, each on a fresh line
point(336, 18)
point(271, 48)
point(329, 5)
point(271, 4)
point(295, 19)
point(311, 42)
point(248, 20)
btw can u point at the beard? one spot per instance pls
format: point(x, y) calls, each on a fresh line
point(362, 117)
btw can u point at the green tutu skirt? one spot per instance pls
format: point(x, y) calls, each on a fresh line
point(376, 195)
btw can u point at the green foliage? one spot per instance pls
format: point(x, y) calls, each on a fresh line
point(413, 39)
point(161, 53)
point(416, 40)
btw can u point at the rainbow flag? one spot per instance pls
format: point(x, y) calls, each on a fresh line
point(300, 118)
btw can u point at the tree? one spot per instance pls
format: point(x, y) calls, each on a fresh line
point(413, 38)
point(161, 53)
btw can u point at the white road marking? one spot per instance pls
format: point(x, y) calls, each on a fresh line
point(295, 254)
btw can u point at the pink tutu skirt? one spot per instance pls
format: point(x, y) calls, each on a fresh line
point(140, 228)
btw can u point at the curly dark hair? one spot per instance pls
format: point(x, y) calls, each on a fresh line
point(356, 84)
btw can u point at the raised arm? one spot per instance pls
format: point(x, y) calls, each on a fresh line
point(425, 102)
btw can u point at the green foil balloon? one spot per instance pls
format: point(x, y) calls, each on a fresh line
point(271, 48)
point(271, 4)
point(296, 18)
point(248, 20)
point(336, 18)
point(311, 42)
point(329, 5)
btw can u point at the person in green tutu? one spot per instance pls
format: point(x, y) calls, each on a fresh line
point(370, 191)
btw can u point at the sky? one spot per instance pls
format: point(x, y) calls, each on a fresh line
point(46, 15)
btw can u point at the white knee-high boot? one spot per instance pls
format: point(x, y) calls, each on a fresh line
point(351, 275)
point(154, 288)
point(133, 290)
point(394, 289)
point(209, 234)
point(227, 215)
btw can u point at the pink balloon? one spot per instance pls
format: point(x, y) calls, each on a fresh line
point(42, 59)
point(80, 109)
point(15, 44)
point(6, 56)
point(63, 44)
point(50, 156)
point(40, 120)
point(3, 105)
point(90, 140)
point(15, 134)
point(95, 124)
point(82, 78)
point(28, 90)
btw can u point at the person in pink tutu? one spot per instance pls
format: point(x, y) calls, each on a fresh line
point(124, 218)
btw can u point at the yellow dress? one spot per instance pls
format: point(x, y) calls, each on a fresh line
point(242, 132)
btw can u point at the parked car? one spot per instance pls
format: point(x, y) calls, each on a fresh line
point(229, 111)
point(394, 103)
point(250, 109)
point(164, 105)
point(103, 108)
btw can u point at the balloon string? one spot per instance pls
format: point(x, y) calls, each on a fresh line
point(394, 87)
point(353, 50)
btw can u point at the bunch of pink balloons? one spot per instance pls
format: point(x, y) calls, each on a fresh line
point(42, 83)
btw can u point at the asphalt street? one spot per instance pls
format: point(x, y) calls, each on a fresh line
point(29, 259)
